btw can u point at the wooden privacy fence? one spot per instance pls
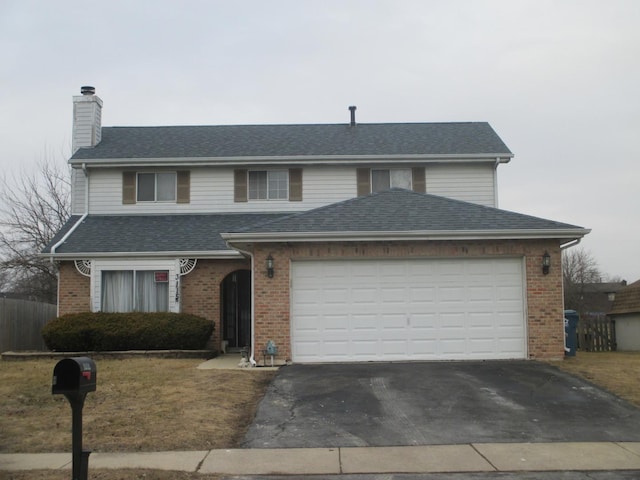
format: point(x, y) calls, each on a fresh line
point(596, 333)
point(21, 322)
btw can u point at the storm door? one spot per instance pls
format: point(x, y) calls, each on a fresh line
point(236, 309)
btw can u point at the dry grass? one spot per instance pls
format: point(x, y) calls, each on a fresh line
point(140, 405)
point(617, 372)
point(165, 404)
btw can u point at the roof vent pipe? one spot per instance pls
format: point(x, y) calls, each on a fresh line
point(352, 109)
point(86, 90)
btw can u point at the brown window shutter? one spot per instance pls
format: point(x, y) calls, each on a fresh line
point(295, 184)
point(363, 179)
point(418, 180)
point(184, 186)
point(128, 188)
point(239, 185)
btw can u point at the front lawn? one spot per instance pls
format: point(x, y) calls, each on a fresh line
point(140, 404)
point(617, 372)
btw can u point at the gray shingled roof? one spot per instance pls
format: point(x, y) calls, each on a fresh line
point(391, 211)
point(228, 141)
point(399, 210)
point(152, 233)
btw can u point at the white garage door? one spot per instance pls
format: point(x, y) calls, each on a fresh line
point(382, 310)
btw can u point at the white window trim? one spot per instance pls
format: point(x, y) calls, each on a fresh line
point(155, 186)
point(391, 170)
point(172, 265)
point(268, 171)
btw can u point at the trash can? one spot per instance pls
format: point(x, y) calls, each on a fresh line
point(571, 319)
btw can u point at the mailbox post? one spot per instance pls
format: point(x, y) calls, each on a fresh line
point(74, 378)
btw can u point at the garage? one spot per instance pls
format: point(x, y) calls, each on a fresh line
point(407, 309)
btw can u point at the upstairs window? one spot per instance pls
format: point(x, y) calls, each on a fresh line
point(148, 187)
point(156, 187)
point(385, 179)
point(372, 180)
point(268, 185)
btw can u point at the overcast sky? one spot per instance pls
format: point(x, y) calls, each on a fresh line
point(558, 80)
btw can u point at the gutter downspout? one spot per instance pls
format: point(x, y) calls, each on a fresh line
point(570, 244)
point(252, 359)
point(86, 213)
point(495, 183)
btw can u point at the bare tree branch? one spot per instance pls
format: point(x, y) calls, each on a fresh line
point(33, 208)
point(579, 268)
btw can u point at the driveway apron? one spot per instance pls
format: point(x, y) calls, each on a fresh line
point(431, 403)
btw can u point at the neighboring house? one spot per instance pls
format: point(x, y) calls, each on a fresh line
point(626, 313)
point(341, 242)
point(595, 299)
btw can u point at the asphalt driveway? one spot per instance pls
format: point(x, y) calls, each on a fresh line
point(385, 404)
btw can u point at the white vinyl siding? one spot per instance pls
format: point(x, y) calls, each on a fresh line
point(628, 331)
point(463, 181)
point(78, 190)
point(87, 119)
point(211, 189)
point(407, 309)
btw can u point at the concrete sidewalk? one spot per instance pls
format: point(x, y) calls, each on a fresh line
point(477, 457)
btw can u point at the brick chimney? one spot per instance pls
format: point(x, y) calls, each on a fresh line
point(87, 119)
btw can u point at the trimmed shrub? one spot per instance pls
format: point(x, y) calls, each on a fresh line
point(100, 331)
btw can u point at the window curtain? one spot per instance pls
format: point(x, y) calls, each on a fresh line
point(151, 296)
point(400, 178)
point(380, 180)
point(117, 291)
point(126, 291)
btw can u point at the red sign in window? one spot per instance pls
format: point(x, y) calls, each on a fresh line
point(161, 277)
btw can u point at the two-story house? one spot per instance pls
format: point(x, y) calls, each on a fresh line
point(338, 242)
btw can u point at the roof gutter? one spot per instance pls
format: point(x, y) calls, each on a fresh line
point(569, 233)
point(299, 159)
point(81, 219)
point(206, 254)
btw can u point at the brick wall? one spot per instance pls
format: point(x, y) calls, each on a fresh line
point(200, 291)
point(74, 290)
point(544, 303)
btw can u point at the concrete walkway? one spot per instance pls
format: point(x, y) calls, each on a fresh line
point(487, 457)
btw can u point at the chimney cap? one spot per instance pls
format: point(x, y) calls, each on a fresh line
point(87, 90)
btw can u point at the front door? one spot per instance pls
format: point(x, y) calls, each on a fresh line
point(236, 309)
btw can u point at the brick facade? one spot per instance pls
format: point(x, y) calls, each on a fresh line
point(74, 290)
point(200, 289)
point(200, 292)
point(544, 302)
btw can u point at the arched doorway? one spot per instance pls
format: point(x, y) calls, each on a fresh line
point(236, 309)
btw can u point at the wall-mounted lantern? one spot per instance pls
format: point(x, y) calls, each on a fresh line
point(270, 266)
point(546, 263)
